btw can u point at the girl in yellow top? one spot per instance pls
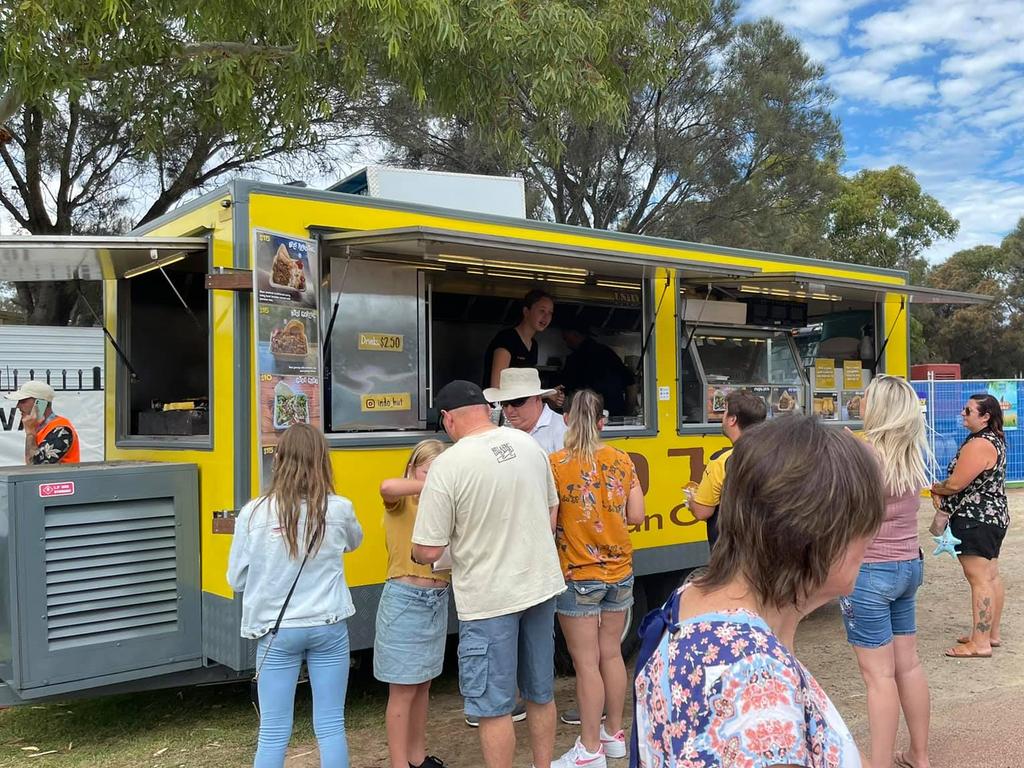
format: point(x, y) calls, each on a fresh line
point(599, 497)
point(412, 618)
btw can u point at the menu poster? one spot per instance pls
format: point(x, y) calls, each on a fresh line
point(824, 373)
point(785, 400)
point(826, 405)
point(853, 375)
point(287, 327)
point(1006, 393)
point(716, 402)
point(853, 406)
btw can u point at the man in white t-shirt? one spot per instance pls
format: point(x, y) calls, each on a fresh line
point(491, 499)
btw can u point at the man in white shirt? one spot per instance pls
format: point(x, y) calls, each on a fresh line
point(522, 401)
point(491, 499)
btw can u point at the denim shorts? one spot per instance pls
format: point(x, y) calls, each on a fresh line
point(412, 625)
point(592, 598)
point(883, 602)
point(498, 653)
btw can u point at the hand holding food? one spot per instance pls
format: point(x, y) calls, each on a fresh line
point(689, 490)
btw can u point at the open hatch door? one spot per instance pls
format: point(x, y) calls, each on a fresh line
point(87, 257)
point(807, 286)
point(514, 257)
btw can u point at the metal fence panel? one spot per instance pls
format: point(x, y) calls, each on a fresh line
point(945, 401)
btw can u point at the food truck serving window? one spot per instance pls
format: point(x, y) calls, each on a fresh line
point(164, 322)
point(404, 329)
point(718, 361)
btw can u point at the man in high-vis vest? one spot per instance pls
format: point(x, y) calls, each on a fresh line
point(49, 438)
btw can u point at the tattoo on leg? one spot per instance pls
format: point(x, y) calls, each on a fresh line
point(984, 616)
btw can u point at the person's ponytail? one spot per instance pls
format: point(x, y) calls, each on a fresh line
point(584, 433)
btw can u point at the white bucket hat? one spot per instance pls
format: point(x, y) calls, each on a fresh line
point(38, 390)
point(516, 383)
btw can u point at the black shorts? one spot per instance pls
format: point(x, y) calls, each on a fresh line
point(977, 538)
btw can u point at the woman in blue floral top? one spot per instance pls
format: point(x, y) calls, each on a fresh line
point(972, 501)
point(717, 682)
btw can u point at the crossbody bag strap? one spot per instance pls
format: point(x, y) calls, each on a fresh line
point(284, 606)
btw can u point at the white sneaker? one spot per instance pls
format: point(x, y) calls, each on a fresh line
point(579, 757)
point(614, 746)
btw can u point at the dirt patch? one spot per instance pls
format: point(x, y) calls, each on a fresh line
point(976, 697)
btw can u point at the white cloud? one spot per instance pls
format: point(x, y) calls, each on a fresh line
point(820, 18)
point(871, 85)
point(943, 84)
point(986, 208)
point(821, 49)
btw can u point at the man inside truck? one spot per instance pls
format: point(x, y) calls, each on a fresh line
point(49, 438)
point(592, 365)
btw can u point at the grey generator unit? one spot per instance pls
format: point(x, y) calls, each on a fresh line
point(99, 575)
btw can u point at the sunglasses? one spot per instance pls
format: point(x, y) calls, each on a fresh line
point(519, 402)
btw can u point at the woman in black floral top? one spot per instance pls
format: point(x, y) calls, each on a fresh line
point(973, 501)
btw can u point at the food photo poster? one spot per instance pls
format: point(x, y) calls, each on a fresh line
point(287, 327)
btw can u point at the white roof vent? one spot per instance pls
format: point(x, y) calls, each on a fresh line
point(496, 195)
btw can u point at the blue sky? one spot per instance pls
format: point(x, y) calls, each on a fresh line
point(935, 85)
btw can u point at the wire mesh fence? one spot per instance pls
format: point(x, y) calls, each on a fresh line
point(944, 402)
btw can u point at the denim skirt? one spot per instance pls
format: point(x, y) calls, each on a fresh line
point(412, 625)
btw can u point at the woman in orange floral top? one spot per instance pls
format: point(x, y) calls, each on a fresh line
point(599, 497)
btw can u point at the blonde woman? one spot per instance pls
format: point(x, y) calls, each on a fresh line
point(294, 537)
point(412, 618)
point(880, 614)
point(598, 497)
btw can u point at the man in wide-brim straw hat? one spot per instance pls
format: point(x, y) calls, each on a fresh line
point(522, 401)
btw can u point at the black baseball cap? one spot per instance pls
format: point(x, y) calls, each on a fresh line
point(459, 394)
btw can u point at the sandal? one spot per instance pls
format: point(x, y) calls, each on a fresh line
point(963, 640)
point(957, 652)
point(901, 761)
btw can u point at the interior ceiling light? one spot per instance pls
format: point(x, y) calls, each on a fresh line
point(616, 284)
point(156, 264)
point(546, 269)
point(793, 294)
point(401, 263)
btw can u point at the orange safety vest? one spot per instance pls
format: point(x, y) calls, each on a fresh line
point(73, 456)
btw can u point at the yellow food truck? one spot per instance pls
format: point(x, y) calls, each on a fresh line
point(259, 305)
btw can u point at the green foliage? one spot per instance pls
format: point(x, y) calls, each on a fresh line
point(884, 219)
point(239, 64)
point(987, 340)
point(726, 137)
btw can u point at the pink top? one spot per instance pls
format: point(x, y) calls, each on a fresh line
point(897, 538)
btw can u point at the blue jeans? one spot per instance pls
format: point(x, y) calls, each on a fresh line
point(325, 649)
point(883, 602)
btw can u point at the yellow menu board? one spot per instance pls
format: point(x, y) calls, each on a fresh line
point(824, 373)
point(853, 377)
